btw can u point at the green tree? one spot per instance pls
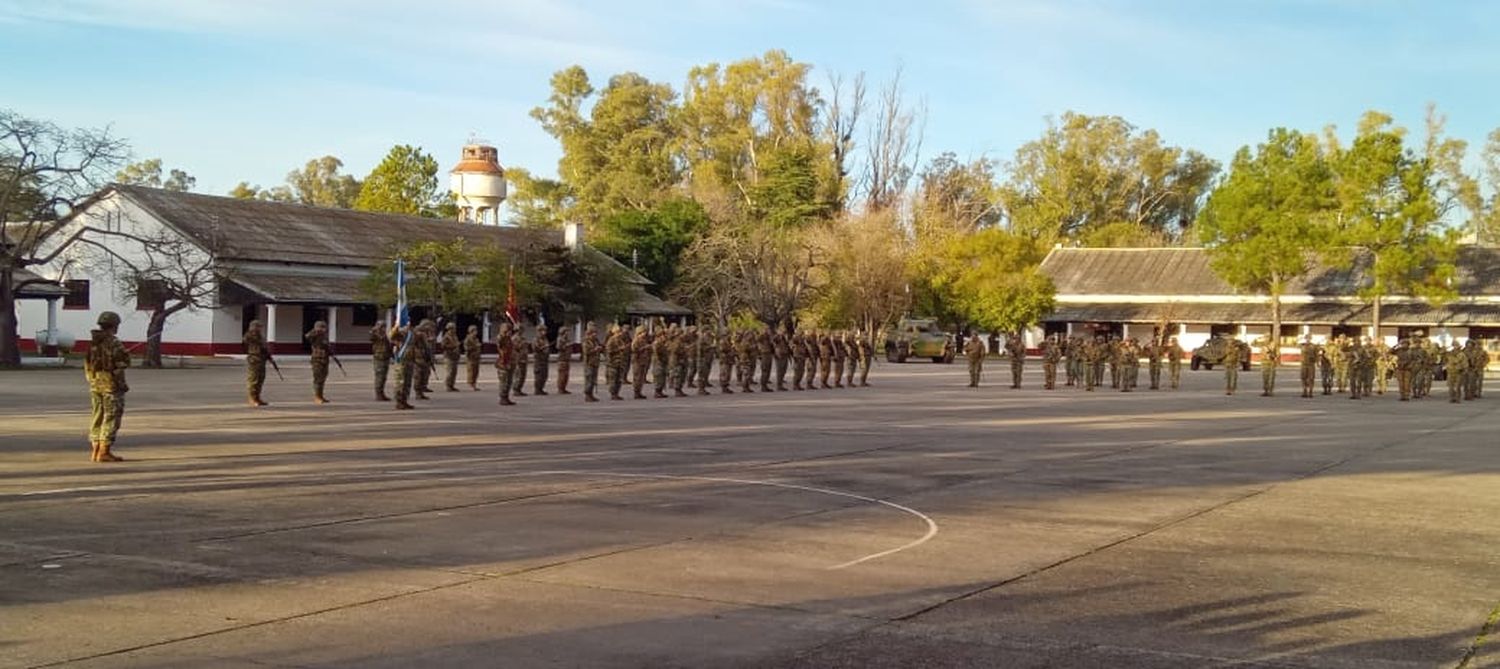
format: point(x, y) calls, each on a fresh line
point(1484, 210)
point(1086, 172)
point(1392, 201)
point(992, 278)
point(405, 182)
point(576, 285)
point(1267, 222)
point(537, 202)
point(318, 184)
point(862, 281)
point(616, 142)
point(148, 173)
point(652, 241)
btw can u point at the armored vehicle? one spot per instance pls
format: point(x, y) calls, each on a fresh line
point(1212, 353)
point(918, 338)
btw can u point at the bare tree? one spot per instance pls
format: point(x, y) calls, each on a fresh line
point(45, 173)
point(735, 268)
point(845, 107)
point(161, 270)
point(892, 147)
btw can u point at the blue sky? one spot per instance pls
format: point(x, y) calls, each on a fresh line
point(241, 89)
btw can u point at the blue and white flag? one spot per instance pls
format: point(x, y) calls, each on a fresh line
point(403, 316)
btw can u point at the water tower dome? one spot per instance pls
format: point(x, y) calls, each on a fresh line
point(478, 184)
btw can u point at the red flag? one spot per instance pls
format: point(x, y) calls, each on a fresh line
point(512, 311)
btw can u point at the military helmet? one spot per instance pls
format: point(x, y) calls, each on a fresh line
point(473, 328)
point(320, 325)
point(109, 319)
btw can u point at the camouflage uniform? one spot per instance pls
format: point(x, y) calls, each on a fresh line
point(1325, 368)
point(1130, 365)
point(767, 355)
point(452, 353)
point(1112, 358)
point(1354, 361)
point(840, 354)
point(682, 351)
point(1338, 355)
point(473, 354)
point(825, 359)
point(1153, 363)
point(1385, 364)
point(661, 360)
point(747, 354)
point(1406, 361)
point(380, 359)
point(522, 363)
point(1173, 353)
point(640, 356)
point(1231, 367)
point(781, 350)
point(564, 350)
point(1308, 366)
point(1479, 359)
point(974, 352)
point(590, 350)
point(1093, 363)
point(256, 356)
point(403, 341)
point(422, 346)
point(1051, 355)
point(705, 346)
point(1015, 349)
point(866, 348)
point(798, 345)
point(1457, 362)
point(726, 362)
point(506, 361)
point(317, 340)
point(617, 360)
point(1270, 358)
point(541, 351)
point(104, 369)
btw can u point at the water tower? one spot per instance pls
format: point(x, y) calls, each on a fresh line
point(478, 184)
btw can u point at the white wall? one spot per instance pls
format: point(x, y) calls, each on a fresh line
point(99, 268)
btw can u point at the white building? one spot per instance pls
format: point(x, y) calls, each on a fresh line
point(286, 265)
point(1133, 292)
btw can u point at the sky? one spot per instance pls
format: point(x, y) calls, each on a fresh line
point(233, 90)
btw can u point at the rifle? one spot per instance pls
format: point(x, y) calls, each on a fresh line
point(274, 366)
point(336, 361)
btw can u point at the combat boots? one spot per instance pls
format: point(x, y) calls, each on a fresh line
point(105, 455)
point(380, 396)
point(703, 389)
point(94, 456)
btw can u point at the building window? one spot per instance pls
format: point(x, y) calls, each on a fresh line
point(150, 294)
point(78, 294)
point(364, 315)
point(1289, 334)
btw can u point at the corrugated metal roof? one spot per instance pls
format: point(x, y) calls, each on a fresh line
point(1186, 271)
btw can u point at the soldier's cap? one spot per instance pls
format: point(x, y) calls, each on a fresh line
point(473, 328)
point(454, 326)
point(320, 324)
point(109, 319)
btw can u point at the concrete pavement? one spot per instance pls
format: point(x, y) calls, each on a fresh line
point(916, 523)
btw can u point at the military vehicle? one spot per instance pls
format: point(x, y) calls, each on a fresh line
point(918, 338)
point(1212, 353)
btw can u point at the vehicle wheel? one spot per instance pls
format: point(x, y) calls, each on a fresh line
point(948, 358)
point(890, 354)
point(1245, 366)
point(1196, 363)
point(937, 360)
point(1208, 367)
point(900, 356)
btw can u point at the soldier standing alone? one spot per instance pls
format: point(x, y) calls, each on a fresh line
point(1270, 357)
point(1457, 363)
point(1015, 347)
point(104, 369)
point(1173, 353)
point(1231, 366)
point(256, 356)
point(380, 358)
point(974, 352)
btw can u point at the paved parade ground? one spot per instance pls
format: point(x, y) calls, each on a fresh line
point(917, 523)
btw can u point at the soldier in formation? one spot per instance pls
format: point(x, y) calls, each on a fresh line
point(591, 352)
point(1153, 362)
point(104, 369)
point(1173, 353)
point(1231, 368)
point(1307, 364)
point(506, 361)
point(473, 353)
point(541, 352)
point(1129, 356)
point(1270, 359)
point(564, 349)
point(380, 358)
point(1052, 353)
point(452, 348)
point(616, 360)
point(424, 346)
point(317, 341)
point(1015, 349)
point(404, 354)
point(522, 363)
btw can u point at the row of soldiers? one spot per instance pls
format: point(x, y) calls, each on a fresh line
point(669, 358)
point(1363, 366)
point(1086, 362)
